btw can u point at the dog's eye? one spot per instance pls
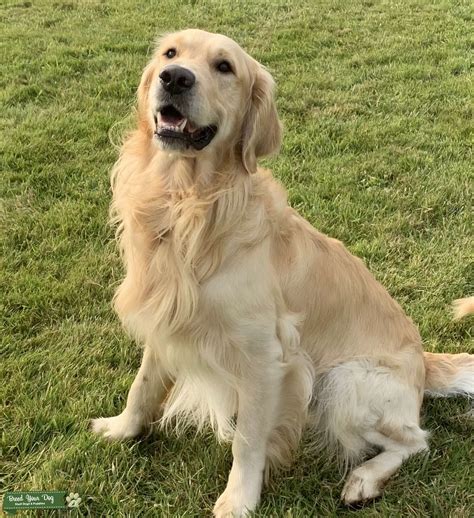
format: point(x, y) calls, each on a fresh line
point(170, 53)
point(224, 67)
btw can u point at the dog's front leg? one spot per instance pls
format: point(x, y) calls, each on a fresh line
point(146, 394)
point(258, 402)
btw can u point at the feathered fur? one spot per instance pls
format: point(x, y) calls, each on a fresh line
point(246, 312)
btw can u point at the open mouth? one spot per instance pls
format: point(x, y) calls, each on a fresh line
point(172, 127)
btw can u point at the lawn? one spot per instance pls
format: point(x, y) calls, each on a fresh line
point(375, 97)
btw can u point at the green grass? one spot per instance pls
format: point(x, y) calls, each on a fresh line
point(376, 102)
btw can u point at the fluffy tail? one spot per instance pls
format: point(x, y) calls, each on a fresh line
point(449, 374)
point(463, 307)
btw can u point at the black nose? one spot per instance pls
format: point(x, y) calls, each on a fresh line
point(176, 79)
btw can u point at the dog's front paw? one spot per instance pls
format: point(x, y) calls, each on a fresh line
point(232, 504)
point(119, 427)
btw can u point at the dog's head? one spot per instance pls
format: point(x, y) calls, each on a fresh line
point(202, 93)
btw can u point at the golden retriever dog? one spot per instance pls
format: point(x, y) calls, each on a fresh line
point(250, 319)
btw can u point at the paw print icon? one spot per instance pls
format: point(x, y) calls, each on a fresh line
point(73, 500)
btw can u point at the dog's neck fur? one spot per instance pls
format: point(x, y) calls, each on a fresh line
point(200, 172)
point(194, 189)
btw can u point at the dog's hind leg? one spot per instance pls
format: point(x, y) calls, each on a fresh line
point(366, 482)
point(367, 405)
point(144, 399)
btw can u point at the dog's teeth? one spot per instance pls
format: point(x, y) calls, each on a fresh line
point(172, 127)
point(175, 125)
point(189, 127)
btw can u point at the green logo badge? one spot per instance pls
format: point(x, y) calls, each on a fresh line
point(14, 501)
point(73, 500)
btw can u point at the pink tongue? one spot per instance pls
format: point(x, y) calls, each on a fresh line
point(173, 120)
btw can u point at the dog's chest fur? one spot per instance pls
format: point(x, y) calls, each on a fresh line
point(175, 244)
point(197, 294)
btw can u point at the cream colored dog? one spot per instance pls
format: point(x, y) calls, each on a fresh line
point(247, 314)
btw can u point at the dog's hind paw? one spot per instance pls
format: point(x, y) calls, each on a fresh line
point(360, 488)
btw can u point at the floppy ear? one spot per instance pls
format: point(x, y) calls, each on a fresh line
point(142, 94)
point(261, 132)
